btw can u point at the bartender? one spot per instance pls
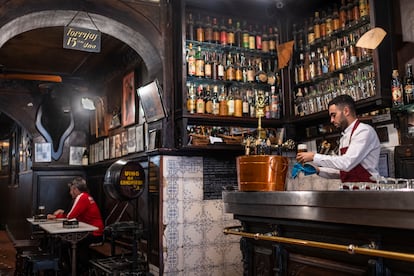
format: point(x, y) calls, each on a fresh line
point(359, 146)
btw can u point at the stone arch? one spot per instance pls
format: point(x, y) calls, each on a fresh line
point(116, 29)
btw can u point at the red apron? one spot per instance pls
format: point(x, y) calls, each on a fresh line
point(357, 174)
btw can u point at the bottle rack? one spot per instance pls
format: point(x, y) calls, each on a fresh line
point(354, 75)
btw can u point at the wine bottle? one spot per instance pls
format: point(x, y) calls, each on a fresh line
point(409, 85)
point(396, 89)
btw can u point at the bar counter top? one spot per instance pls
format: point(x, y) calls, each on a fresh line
point(394, 209)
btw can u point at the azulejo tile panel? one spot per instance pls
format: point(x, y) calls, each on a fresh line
point(194, 243)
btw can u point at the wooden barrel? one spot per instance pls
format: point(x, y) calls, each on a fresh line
point(124, 180)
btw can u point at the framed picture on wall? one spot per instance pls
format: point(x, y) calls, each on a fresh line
point(139, 136)
point(151, 101)
point(128, 99)
point(43, 152)
point(75, 155)
point(101, 119)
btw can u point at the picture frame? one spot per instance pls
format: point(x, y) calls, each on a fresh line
point(151, 100)
point(75, 155)
point(124, 143)
point(131, 139)
point(106, 148)
point(128, 99)
point(140, 141)
point(101, 119)
point(43, 152)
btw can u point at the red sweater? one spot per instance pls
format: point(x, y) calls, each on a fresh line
point(86, 210)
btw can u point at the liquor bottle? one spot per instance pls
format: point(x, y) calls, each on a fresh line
point(317, 26)
point(267, 104)
point(238, 68)
point(230, 33)
point(208, 101)
point(272, 40)
point(216, 31)
point(312, 66)
point(215, 101)
point(250, 71)
point(200, 103)
point(230, 102)
point(238, 35)
point(245, 106)
point(322, 25)
point(223, 107)
point(363, 8)
point(336, 23)
point(190, 27)
point(220, 68)
point(343, 20)
point(245, 36)
point(230, 72)
point(261, 76)
point(214, 75)
point(324, 60)
point(191, 67)
point(318, 62)
point(207, 66)
point(191, 99)
point(301, 69)
point(199, 29)
point(350, 12)
point(409, 85)
point(271, 72)
point(274, 103)
point(311, 34)
point(396, 89)
point(223, 33)
point(199, 63)
point(355, 11)
point(238, 104)
point(208, 30)
point(258, 38)
point(329, 23)
point(251, 97)
point(352, 49)
point(252, 38)
point(265, 40)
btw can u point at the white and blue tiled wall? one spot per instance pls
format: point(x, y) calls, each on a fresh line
point(193, 239)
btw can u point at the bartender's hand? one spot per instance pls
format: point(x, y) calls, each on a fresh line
point(303, 157)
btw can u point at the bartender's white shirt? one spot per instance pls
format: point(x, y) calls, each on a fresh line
point(364, 148)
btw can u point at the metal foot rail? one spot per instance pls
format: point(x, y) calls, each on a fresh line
point(351, 249)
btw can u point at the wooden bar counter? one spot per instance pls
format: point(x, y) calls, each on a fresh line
point(324, 232)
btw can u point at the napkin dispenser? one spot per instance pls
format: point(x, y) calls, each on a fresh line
point(70, 223)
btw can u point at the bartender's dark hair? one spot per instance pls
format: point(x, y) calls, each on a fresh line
point(344, 100)
point(80, 183)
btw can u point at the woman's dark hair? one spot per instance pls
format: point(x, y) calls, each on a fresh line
point(344, 100)
point(80, 183)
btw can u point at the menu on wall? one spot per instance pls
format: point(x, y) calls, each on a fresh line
point(218, 173)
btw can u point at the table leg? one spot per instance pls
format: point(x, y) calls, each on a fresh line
point(73, 258)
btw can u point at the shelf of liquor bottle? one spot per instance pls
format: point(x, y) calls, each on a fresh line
point(364, 62)
point(362, 23)
point(220, 48)
point(227, 83)
point(245, 121)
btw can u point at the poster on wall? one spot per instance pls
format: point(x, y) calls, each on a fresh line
point(43, 152)
point(128, 99)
